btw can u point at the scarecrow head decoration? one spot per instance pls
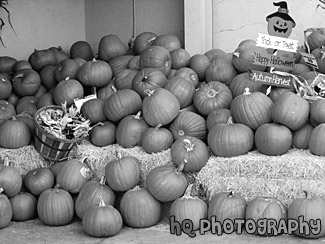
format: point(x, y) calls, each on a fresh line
point(280, 23)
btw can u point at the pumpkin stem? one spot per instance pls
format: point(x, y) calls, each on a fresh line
point(181, 133)
point(305, 193)
point(94, 60)
point(212, 93)
point(188, 191)
point(102, 180)
point(158, 126)
point(138, 115)
point(1, 190)
point(230, 121)
point(231, 193)
point(189, 146)
point(151, 40)
point(67, 78)
point(101, 201)
point(6, 161)
point(149, 92)
point(118, 152)
point(56, 188)
point(246, 91)
point(114, 89)
point(180, 167)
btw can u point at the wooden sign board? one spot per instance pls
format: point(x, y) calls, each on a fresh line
point(271, 79)
point(275, 42)
point(273, 60)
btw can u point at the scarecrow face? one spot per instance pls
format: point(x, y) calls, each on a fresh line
point(279, 27)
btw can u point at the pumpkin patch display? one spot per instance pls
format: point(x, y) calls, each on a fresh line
point(5, 210)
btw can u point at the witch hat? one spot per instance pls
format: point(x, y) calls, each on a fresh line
point(282, 12)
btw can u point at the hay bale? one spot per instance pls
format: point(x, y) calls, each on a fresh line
point(255, 174)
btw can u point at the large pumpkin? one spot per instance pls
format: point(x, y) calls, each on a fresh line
point(7, 64)
point(230, 139)
point(111, 46)
point(26, 82)
point(88, 196)
point(5, 210)
point(212, 95)
point(14, 134)
point(139, 208)
point(188, 123)
point(41, 58)
point(67, 90)
point(23, 206)
point(291, 110)
point(273, 139)
point(252, 109)
point(5, 86)
point(38, 180)
point(191, 150)
point(160, 107)
point(156, 139)
point(10, 179)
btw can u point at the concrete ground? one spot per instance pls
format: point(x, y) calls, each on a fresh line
point(35, 232)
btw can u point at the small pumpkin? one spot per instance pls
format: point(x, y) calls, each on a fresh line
point(142, 41)
point(66, 68)
point(10, 179)
point(27, 104)
point(7, 111)
point(102, 220)
point(7, 64)
point(122, 173)
point(180, 58)
point(189, 74)
point(59, 53)
point(139, 208)
point(55, 207)
point(47, 76)
point(277, 92)
point(219, 115)
point(5, 86)
point(38, 180)
point(134, 63)
point(24, 206)
point(170, 42)
point(200, 64)
point(45, 100)
point(13, 98)
point(67, 90)
point(93, 109)
point(5, 210)
point(316, 140)
point(105, 91)
point(166, 182)
point(317, 110)
point(26, 82)
point(214, 53)
point(111, 46)
point(156, 139)
point(41, 58)
point(21, 64)
point(103, 134)
point(124, 79)
point(119, 63)
point(28, 119)
point(81, 49)
point(301, 137)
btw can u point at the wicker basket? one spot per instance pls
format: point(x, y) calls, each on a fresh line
point(49, 146)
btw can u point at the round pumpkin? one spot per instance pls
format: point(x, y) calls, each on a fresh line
point(166, 182)
point(47, 76)
point(5, 86)
point(316, 140)
point(160, 107)
point(277, 92)
point(45, 100)
point(317, 110)
point(180, 58)
point(134, 63)
point(219, 115)
point(122, 173)
point(13, 98)
point(5, 210)
point(14, 134)
point(319, 53)
point(301, 137)
point(214, 53)
point(251, 109)
point(88, 196)
point(189, 74)
point(102, 220)
point(81, 49)
point(191, 150)
point(111, 46)
point(28, 119)
point(21, 64)
point(60, 54)
point(41, 58)
point(273, 139)
point(139, 208)
point(122, 103)
point(106, 91)
point(212, 95)
point(142, 41)
point(93, 110)
point(124, 79)
point(27, 104)
point(7, 111)
point(38, 180)
point(66, 68)
point(10, 179)
point(119, 63)
point(7, 64)
point(40, 92)
point(26, 82)
point(156, 139)
point(67, 90)
point(230, 139)
point(170, 42)
point(103, 134)
point(23, 206)
point(199, 63)
point(55, 207)
point(316, 38)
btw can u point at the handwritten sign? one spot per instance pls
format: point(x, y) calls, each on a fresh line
point(273, 60)
point(309, 59)
point(271, 79)
point(275, 42)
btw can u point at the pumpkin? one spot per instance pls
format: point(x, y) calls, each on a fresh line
point(103, 134)
point(299, 69)
point(241, 81)
point(60, 55)
point(14, 134)
point(212, 95)
point(66, 68)
point(124, 79)
point(41, 58)
point(102, 220)
point(191, 150)
point(148, 79)
point(7, 111)
point(230, 139)
point(171, 74)
point(40, 92)
point(156, 57)
point(27, 104)
point(219, 115)
point(96, 73)
point(214, 53)
point(319, 54)
point(277, 92)
point(47, 76)
point(156, 139)
point(227, 205)
point(134, 63)
point(273, 139)
point(13, 98)
point(316, 38)
point(301, 137)
point(105, 91)
point(308, 209)
point(67, 90)
point(130, 129)
point(189, 74)
point(291, 110)
point(21, 64)
point(93, 110)
point(23, 206)
point(316, 140)
point(26, 82)
point(55, 207)
point(7, 64)
point(10, 179)
point(5, 86)
point(180, 58)
point(110, 46)
point(122, 173)
point(199, 63)
point(81, 49)
point(38, 180)
point(55, 167)
point(160, 107)
point(182, 90)
point(170, 42)
point(166, 182)
point(139, 208)
point(87, 197)
point(119, 63)
point(266, 208)
point(251, 109)
point(122, 103)
point(188, 123)
point(189, 208)
point(45, 100)
point(73, 174)
point(142, 41)
point(5, 210)
point(28, 119)
point(221, 69)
